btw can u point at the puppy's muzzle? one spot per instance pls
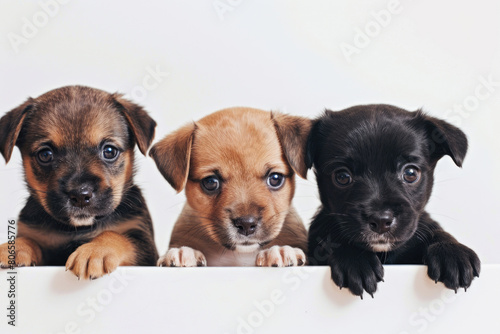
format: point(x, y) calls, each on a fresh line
point(81, 197)
point(381, 222)
point(246, 225)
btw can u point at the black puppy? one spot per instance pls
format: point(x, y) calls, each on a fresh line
point(374, 166)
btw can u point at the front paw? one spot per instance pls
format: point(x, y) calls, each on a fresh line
point(24, 252)
point(280, 256)
point(182, 257)
point(356, 269)
point(90, 261)
point(453, 264)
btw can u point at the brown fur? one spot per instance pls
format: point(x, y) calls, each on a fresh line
point(243, 145)
point(102, 255)
point(28, 253)
point(76, 123)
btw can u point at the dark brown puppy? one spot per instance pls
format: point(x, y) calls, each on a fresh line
point(374, 166)
point(84, 211)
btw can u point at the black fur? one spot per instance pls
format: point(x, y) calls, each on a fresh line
point(379, 218)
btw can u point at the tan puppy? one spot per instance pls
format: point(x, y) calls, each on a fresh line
point(237, 166)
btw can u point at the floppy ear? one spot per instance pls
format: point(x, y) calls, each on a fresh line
point(172, 155)
point(316, 135)
point(311, 144)
point(444, 139)
point(292, 133)
point(10, 127)
point(141, 124)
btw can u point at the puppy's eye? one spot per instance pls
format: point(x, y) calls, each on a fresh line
point(275, 180)
point(411, 174)
point(342, 177)
point(45, 156)
point(210, 184)
point(109, 152)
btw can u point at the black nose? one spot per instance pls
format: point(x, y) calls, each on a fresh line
point(381, 222)
point(246, 225)
point(80, 197)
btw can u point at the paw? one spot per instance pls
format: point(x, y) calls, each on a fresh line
point(90, 261)
point(356, 269)
point(182, 257)
point(453, 264)
point(280, 256)
point(24, 252)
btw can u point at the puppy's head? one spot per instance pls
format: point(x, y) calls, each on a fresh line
point(374, 166)
point(237, 166)
point(77, 148)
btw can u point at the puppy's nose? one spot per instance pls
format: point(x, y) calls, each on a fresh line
point(80, 197)
point(381, 222)
point(246, 225)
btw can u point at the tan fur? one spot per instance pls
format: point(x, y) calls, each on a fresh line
point(28, 253)
point(243, 145)
point(39, 188)
point(101, 256)
point(178, 147)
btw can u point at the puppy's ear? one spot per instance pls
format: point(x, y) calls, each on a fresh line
point(444, 139)
point(311, 144)
point(292, 133)
point(315, 136)
point(141, 124)
point(172, 155)
point(10, 127)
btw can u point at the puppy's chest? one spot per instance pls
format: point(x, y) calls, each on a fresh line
point(54, 239)
point(227, 258)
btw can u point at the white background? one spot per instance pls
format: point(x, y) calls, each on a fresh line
point(283, 55)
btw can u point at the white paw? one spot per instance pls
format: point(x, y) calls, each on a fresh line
point(182, 257)
point(280, 256)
